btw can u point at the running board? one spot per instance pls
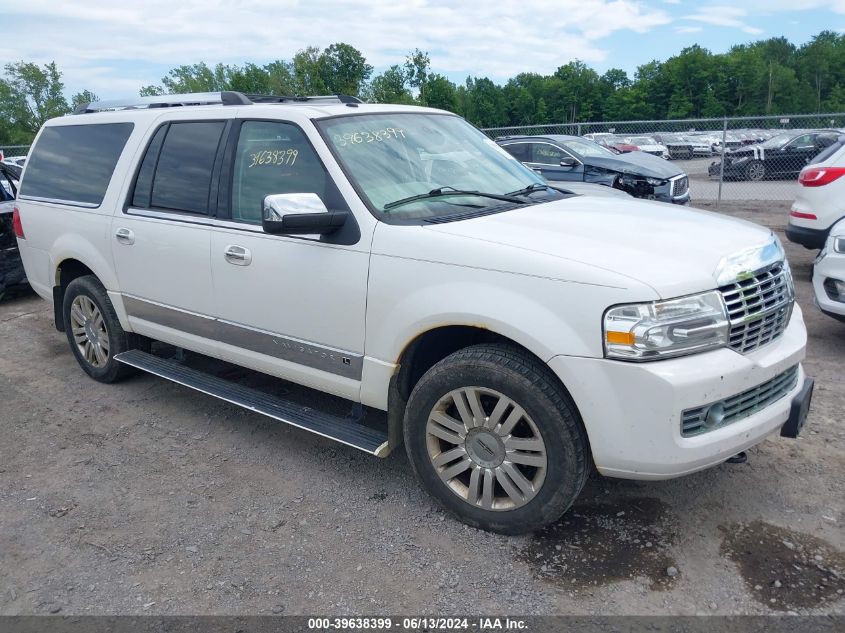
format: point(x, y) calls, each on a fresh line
point(333, 427)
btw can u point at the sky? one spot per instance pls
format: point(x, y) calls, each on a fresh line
point(113, 48)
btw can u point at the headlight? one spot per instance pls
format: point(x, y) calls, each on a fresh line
point(839, 244)
point(655, 182)
point(663, 329)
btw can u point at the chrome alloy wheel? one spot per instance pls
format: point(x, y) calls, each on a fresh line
point(756, 171)
point(486, 449)
point(89, 331)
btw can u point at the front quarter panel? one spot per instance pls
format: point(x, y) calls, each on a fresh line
point(422, 279)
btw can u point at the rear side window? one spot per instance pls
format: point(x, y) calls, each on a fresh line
point(182, 178)
point(74, 163)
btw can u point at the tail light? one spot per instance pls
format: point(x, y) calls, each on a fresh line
point(820, 176)
point(16, 224)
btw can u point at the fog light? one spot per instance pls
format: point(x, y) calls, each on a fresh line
point(715, 416)
point(835, 289)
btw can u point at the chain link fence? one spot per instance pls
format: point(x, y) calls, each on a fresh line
point(10, 152)
point(742, 158)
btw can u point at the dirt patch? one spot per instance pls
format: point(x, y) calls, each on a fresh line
point(784, 569)
point(598, 544)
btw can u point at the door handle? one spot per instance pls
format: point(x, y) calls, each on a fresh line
point(125, 236)
point(237, 255)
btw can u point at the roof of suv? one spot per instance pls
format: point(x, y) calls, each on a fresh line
point(213, 103)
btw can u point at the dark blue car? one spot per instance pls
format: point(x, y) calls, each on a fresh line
point(561, 158)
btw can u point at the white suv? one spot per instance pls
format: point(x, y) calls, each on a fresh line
point(515, 334)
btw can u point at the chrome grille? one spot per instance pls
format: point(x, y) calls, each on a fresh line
point(680, 186)
point(759, 307)
point(695, 421)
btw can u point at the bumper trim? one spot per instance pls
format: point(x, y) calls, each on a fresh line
point(798, 410)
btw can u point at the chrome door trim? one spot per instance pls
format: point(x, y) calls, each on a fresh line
point(173, 216)
point(332, 360)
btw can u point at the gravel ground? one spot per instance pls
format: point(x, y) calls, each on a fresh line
point(145, 497)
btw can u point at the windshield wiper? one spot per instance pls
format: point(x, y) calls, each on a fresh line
point(539, 186)
point(534, 186)
point(451, 191)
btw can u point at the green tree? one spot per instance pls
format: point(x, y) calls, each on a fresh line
point(417, 70)
point(29, 95)
point(389, 87)
point(86, 96)
point(343, 69)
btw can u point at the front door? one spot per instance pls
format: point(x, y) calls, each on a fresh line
point(290, 306)
point(546, 159)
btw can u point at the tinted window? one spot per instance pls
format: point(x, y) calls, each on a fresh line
point(75, 163)
point(183, 175)
point(518, 150)
point(271, 158)
point(144, 182)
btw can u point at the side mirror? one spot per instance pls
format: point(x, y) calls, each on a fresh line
point(299, 214)
point(568, 162)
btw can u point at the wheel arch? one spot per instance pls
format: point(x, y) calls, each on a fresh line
point(433, 345)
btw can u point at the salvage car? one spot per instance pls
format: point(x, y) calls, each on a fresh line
point(829, 274)
point(820, 201)
point(611, 142)
point(11, 268)
point(515, 336)
point(560, 158)
point(649, 145)
point(781, 156)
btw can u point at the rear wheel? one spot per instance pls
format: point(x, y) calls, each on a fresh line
point(493, 436)
point(94, 331)
point(755, 171)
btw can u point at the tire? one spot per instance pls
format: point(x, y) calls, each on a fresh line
point(464, 468)
point(88, 316)
point(755, 171)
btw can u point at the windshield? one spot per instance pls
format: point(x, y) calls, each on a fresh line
point(587, 148)
point(394, 156)
point(778, 141)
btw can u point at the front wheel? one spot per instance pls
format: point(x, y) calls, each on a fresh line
point(495, 438)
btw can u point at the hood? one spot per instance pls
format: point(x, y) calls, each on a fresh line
point(674, 251)
point(636, 163)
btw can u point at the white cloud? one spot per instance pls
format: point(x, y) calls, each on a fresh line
point(689, 29)
point(89, 40)
point(718, 15)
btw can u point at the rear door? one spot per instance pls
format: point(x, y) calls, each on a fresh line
point(161, 240)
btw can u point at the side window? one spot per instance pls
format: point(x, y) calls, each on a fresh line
point(546, 154)
point(274, 157)
point(182, 178)
point(75, 163)
point(518, 150)
point(144, 182)
point(805, 141)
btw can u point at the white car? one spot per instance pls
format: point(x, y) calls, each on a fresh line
point(649, 145)
point(394, 256)
point(820, 202)
point(829, 274)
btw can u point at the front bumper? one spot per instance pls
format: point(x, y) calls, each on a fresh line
point(632, 411)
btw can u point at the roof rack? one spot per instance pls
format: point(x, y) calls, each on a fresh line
point(227, 97)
